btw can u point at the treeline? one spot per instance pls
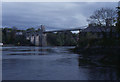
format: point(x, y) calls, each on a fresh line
point(18, 37)
point(62, 39)
point(106, 22)
point(9, 36)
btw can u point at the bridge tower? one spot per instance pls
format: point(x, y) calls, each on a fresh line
point(42, 37)
point(37, 38)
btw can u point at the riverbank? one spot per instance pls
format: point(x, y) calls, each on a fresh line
point(99, 56)
point(98, 50)
point(10, 45)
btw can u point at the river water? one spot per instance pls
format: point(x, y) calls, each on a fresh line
point(50, 63)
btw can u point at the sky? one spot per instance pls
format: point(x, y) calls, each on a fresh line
point(54, 15)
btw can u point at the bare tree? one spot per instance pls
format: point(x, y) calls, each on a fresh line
point(103, 17)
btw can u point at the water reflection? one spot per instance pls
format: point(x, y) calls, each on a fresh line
point(26, 51)
point(38, 51)
point(97, 71)
point(117, 73)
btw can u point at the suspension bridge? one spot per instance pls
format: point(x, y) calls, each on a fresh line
point(39, 38)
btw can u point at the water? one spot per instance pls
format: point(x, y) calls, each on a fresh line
point(50, 63)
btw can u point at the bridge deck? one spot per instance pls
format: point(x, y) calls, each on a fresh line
point(78, 29)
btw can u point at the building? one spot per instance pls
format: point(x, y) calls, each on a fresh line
point(98, 31)
point(19, 32)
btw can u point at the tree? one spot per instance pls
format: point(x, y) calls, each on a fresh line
point(103, 17)
point(13, 34)
point(118, 20)
point(31, 30)
point(52, 39)
point(69, 40)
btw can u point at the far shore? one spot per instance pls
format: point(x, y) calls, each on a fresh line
point(10, 45)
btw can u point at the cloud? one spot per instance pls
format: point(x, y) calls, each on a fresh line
point(54, 15)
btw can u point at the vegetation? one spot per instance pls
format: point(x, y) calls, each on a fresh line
point(104, 50)
point(103, 17)
point(62, 39)
point(9, 36)
point(118, 20)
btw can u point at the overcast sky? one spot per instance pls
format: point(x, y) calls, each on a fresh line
point(54, 15)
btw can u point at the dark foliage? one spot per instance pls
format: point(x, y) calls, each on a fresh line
point(9, 37)
point(62, 39)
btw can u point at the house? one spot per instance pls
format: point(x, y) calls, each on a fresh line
point(98, 31)
point(19, 32)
